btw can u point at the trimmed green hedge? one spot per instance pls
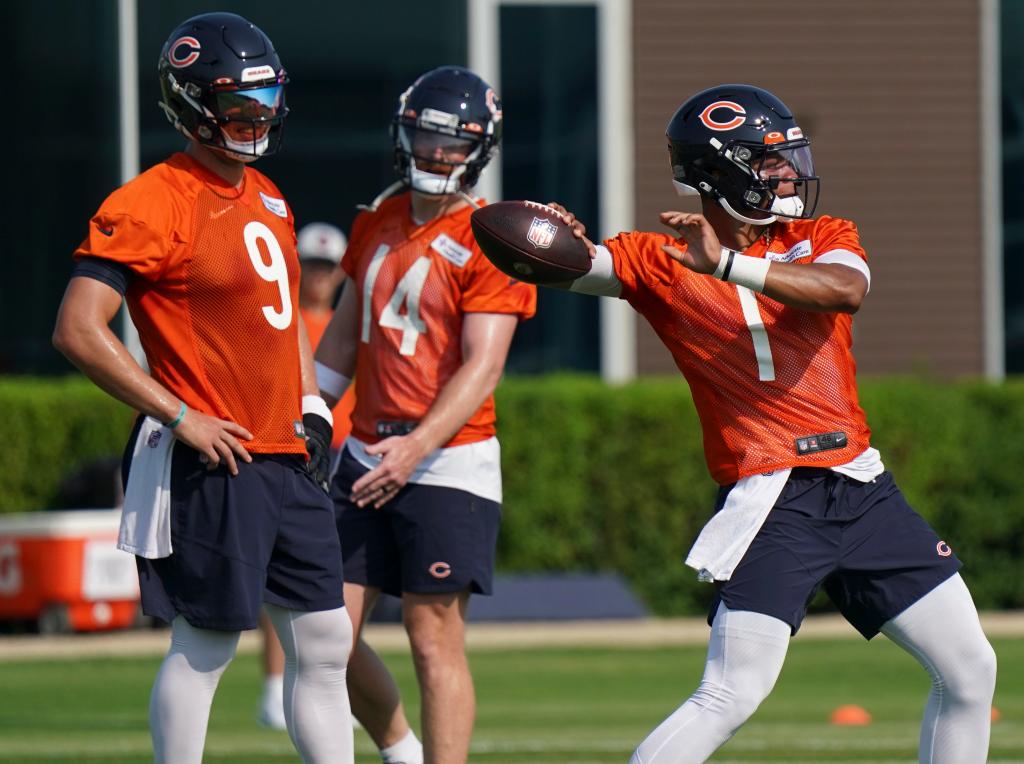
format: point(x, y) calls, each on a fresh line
point(600, 478)
point(51, 428)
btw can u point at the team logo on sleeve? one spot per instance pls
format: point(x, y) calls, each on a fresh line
point(731, 112)
point(183, 52)
point(542, 233)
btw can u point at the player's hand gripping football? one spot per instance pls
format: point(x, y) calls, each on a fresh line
point(703, 250)
point(318, 444)
point(399, 456)
point(578, 229)
point(215, 439)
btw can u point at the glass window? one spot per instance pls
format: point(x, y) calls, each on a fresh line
point(63, 156)
point(549, 97)
point(1012, 67)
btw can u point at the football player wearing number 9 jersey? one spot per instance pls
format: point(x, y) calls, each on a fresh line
point(225, 507)
point(424, 324)
point(754, 298)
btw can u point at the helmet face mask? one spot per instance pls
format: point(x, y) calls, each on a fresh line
point(445, 130)
point(740, 146)
point(223, 86)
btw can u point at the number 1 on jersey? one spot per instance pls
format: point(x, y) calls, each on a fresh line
point(408, 290)
point(758, 333)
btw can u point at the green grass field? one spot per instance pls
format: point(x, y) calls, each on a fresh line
point(584, 706)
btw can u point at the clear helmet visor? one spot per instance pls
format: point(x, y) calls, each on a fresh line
point(787, 170)
point(783, 168)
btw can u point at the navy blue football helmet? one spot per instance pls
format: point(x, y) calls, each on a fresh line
point(739, 145)
point(445, 130)
point(223, 85)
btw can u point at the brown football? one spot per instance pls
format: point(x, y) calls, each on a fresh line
point(529, 241)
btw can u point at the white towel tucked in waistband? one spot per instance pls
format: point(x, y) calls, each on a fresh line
point(726, 536)
point(146, 517)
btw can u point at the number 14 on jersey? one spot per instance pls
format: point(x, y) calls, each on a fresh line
point(408, 290)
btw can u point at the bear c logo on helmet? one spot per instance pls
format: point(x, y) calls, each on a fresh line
point(189, 58)
point(739, 113)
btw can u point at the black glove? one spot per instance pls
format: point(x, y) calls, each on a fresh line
point(318, 444)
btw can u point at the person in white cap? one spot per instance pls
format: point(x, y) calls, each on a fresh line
point(320, 246)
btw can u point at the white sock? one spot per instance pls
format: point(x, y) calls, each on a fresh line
point(179, 706)
point(316, 648)
point(272, 702)
point(745, 656)
point(942, 631)
point(408, 750)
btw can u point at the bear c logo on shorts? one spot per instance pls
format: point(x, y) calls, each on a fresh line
point(943, 549)
point(440, 570)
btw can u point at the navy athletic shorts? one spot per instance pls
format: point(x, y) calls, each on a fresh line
point(427, 540)
point(874, 555)
point(265, 535)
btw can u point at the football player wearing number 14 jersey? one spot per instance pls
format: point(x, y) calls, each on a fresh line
point(424, 324)
point(754, 298)
point(225, 506)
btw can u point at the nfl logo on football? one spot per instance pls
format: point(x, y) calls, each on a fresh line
point(542, 233)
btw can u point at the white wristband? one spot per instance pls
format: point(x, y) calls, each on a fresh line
point(743, 270)
point(330, 381)
point(722, 262)
point(314, 404)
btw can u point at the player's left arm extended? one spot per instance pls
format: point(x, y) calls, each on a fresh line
point(486, 338)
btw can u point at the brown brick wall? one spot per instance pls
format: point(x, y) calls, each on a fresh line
point(889, 93)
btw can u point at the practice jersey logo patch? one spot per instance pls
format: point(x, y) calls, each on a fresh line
point(275, 205)
point(542, 233)
point(798, 251)
point(451, 250)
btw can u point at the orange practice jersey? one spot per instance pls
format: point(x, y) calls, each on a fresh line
point(414, 284)
point(762, 374)
point(316, 325)
point(214, 292)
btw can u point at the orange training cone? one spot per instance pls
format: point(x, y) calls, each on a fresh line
point(850, 716)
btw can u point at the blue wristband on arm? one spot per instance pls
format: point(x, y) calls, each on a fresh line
point(177, 420)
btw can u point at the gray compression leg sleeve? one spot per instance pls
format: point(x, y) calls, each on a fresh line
point(316, 647)
point(745, 656)
point(179, 706)
point(942, 631)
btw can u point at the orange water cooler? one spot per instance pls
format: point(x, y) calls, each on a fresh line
point(63, 571)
